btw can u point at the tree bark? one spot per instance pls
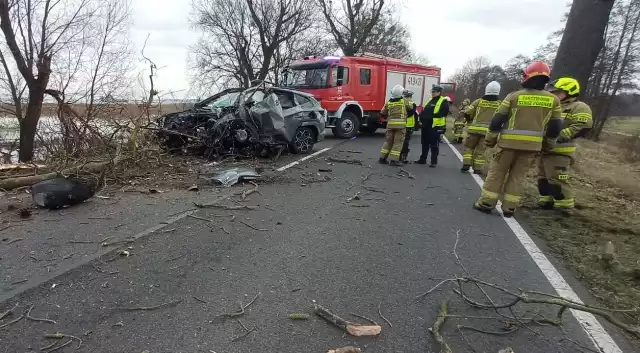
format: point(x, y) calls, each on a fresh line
point(582, 39)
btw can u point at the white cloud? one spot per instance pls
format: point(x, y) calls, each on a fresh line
point(448, 33)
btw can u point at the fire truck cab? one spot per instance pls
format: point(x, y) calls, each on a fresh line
point(353, 90)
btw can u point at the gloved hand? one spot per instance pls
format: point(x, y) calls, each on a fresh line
point(547, 145)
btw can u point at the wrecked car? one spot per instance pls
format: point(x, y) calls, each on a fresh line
point(249, 123)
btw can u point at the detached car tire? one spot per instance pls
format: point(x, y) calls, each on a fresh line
point(303, 141)
point(347, 125)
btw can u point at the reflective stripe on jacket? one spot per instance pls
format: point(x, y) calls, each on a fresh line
point(411, 119)
point(396, 112)
point(528, 112)
point(481, 111)
point(576, 118)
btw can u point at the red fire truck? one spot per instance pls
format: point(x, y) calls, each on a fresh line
point(354, 89)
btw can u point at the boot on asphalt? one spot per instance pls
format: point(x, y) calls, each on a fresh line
point(465, 168)
point(421, 161)
point(394, 163)
point(483, 208)
point(508, 213)
point(477, 171)
point(383, 161)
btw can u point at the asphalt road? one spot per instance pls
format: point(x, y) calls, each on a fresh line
point(305, 241)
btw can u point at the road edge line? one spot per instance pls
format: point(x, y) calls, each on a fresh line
point(283, 168)
point(591, 326)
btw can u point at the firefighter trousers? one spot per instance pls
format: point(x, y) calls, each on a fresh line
point(508, 168)
point(553, 181)
point(405, 146)
point(474, 151)
point(430, 139)
point(393, 142)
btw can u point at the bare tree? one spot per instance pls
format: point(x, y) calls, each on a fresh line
point(474, 75)
point(241, 38)
point(35, 31)
point(388, 37)
point(352, 22)
point(582, 39)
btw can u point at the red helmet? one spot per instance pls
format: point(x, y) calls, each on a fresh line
point(536, 68)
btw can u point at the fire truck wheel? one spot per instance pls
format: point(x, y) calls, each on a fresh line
point(369, 129)
point(347, 126)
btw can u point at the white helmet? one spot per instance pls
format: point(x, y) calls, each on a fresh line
point(492, 89)
point(396, 91)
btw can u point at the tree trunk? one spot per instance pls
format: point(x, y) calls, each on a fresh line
point(29, 124)
point(582, 39)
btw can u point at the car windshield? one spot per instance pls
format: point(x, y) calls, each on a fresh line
point(311, 78)
point(224, 101)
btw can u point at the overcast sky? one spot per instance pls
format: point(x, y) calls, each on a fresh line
point(448, 33)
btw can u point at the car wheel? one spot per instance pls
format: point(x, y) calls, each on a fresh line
point(369, 129)
point(347, 126)
point(303, 141)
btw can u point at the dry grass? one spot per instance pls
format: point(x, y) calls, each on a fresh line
point(605, 178)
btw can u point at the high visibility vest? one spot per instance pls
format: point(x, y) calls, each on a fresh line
point(411, 120)
point(397, 114)
point(438, 122)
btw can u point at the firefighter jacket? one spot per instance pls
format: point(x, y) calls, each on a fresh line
point(577, 121)
point(479, 115)
point(395, 110)
point(526, 120)
point(434, 113)
point(411, 114)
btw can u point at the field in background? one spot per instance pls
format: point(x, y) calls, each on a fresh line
point(606, 179)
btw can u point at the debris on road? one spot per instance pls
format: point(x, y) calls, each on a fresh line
point(149, 308)
point(350, 151)
point(63, 192)
point(325, 170)
point(355, 197)
point(31, 318)
point(193, 188)
point(15, 240)
point(297, 316)
point(235, 175)
point(351, 328)
point(253, 227)
point(241, 311)
point(348, 349)
point(224, 207)
point(382, 316)
point(58, 336)
point(611, 262)
point(405, 172)
point(435, 330)
point(344, 160)
point(24, 213)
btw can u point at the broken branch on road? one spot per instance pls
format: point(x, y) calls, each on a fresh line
point(253, 227)
point(351, 328)
point(241, 311)
point(8, 312)
point(215, 205)
point(60, 335)
point(435, 330)
point(345, 161)
point(149, 308)
point(29, 317)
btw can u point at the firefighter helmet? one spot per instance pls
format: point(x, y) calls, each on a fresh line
point(492, 89)
point(407, 93)
point(536, 68)
point(466, 101)
point(567, 84)
point(396, 91)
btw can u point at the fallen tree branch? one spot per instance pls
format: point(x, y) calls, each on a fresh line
point(215, 205)
point(148, 308)
point(343, 160)
point(87, 168)
point(242, 309)
point(29, 317)
point(382, 316)
point(254, 228)
point(435, 330)
point(405, 172)
point(8, 312)
point(351, 328)
point(60, 335)
point(250, 191)
point(12, 322)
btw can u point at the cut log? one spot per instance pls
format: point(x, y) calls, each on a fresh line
point(351, 328)
point(95, 167)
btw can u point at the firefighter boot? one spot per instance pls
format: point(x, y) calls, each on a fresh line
point(383, 161)
point(465, 168)
point(477, 171)
point(509, 212)
point(545, 201)
point(394, 163)
point(483, 207)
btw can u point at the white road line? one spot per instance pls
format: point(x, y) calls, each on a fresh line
point(600, 338)
point(303, 159)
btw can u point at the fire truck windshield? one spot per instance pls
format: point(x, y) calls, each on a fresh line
point(309, 78)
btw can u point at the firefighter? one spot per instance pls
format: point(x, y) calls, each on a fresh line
point(395, 110)
point(411, 123)
point(553, 166)
point(459, 123)
point(479, 115)
point(433, 120)
point(527, 122)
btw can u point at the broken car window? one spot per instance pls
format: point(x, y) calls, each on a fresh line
point(286, 99)
point(305, 102)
